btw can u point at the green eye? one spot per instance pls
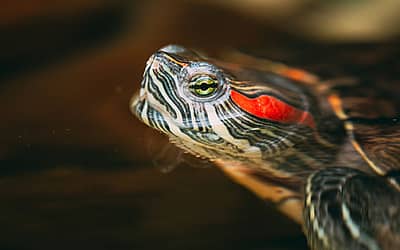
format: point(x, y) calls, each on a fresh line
point(203, 86)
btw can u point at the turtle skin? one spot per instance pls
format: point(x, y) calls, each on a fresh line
point(345, 208)
point(348, 209)
point(349, 200)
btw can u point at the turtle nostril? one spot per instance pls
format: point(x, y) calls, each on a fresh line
point(150, 60)
point(153, 63)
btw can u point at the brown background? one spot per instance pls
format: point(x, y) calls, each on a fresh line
point(77, 170)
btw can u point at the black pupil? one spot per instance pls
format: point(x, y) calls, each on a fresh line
point(205, 86)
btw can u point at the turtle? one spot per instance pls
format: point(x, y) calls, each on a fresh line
point(317, 136)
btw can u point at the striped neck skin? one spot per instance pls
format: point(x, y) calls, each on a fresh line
point(260, 119)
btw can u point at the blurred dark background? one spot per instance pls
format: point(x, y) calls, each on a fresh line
point(78, 171)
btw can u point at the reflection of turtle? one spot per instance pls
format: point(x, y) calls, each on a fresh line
point(325, 149)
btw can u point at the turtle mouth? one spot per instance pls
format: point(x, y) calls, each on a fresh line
point(140, 103)
point(137, 103)
point(141, 108)
point(148, 104)
point(151, 115)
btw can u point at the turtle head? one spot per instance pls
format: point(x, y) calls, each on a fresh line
point(219, 110)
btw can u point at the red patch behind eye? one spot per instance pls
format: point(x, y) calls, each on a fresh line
point(271, 108)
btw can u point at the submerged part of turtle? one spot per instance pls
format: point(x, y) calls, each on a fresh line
point(323, 146)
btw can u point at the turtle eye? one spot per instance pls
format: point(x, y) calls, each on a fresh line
point(203, 85)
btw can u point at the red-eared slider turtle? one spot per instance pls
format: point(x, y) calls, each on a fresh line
point(323, 146)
